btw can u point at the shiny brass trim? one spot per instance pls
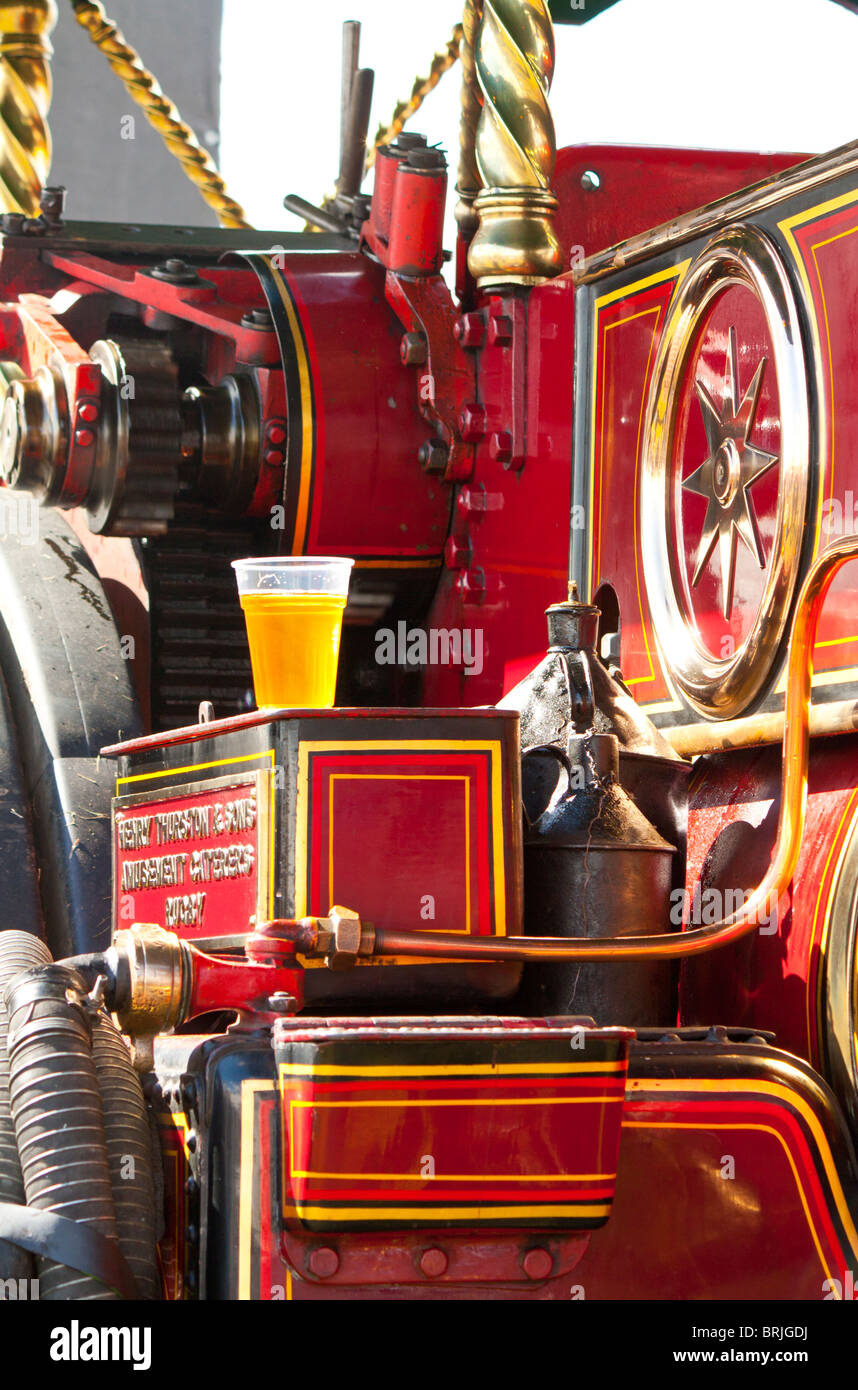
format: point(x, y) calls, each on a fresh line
point(25, 98)
point(154, 962)
point(712, 217)
point(758, 730)
point(468, 181)
point(515, 146)
point(720, 688)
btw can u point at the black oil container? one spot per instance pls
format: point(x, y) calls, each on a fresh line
point(594, 866)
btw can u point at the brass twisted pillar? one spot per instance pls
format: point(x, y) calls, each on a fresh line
point(468, 181)
point(515, 149)
point(25, 96)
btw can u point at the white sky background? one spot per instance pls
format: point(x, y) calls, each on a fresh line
point(739, 74)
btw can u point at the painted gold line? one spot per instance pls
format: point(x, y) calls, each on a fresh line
point(758, 1129)
point(196, 767)
point(249, 1090)
point(469, 1069)
point(485, 1214)
point(781, 1093)
point(811, 1051)
point(307, 423)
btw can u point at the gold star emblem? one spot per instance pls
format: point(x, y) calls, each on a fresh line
point(724, 478)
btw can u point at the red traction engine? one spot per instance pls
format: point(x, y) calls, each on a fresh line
point(537, 947)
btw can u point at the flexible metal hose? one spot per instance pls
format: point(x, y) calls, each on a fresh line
point(57, 1111)
point(18, 951)
point(129, 1154)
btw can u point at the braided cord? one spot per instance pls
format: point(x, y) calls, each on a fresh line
point(404, 110)
point(160, 111)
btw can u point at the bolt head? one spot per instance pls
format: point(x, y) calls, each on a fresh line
point(457, 553)
point(84, 438)
point(500, 330)
point(500, 446)
point(274, 457)
point(471, 584)
point(87, 411)
point(413, 349)
point(472, 423)
point(323, 1262)
point(470, 330)
point(433, 456)
point(276, 434)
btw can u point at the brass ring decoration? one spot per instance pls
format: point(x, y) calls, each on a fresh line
point(725, 687)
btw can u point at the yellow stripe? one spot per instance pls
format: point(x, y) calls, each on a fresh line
point(484, 1214)
point(470, 1069)
point(757, 1129)
point(302, 813)
point(196, 767)
point(247, 1175)
point(823, 882)
point(674, 272)
point(299, 540)
point(779, 1092)
point(434, 563)
point(787, 227)
point(432, 1104)
point(404, 777)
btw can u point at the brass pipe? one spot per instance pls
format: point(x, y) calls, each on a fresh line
point(25, 97)
point(758, 730)
point(515, 243)
point(468, 181)
point(796, 746)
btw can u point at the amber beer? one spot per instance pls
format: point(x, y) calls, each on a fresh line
point(293, 608)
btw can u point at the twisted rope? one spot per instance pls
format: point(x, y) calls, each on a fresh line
point(160, 111)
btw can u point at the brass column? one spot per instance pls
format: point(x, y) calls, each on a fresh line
point(25, 96)
point(515, 149)
point(468, 182)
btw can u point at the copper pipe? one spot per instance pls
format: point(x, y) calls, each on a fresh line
point(796, 746)
point(690, 740)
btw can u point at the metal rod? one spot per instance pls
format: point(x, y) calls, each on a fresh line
point(354, 148)
point(351, 51)
point(310, 213)
point(690, 740)
point(468, 181)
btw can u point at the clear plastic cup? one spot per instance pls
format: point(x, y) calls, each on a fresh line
point(293, 608)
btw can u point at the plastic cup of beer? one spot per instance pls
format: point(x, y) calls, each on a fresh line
point(293, 608)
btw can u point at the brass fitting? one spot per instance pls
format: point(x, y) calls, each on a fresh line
point(153, 979)
point(25, 97)
point(515, 147)
point(346, 938)
point(468, 178)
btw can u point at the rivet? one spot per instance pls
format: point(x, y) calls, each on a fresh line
point(537, 1263)
point(433, 1263)
point(84, 438)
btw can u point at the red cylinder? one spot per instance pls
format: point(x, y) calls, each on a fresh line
point(386, 161)
point(417, 217)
